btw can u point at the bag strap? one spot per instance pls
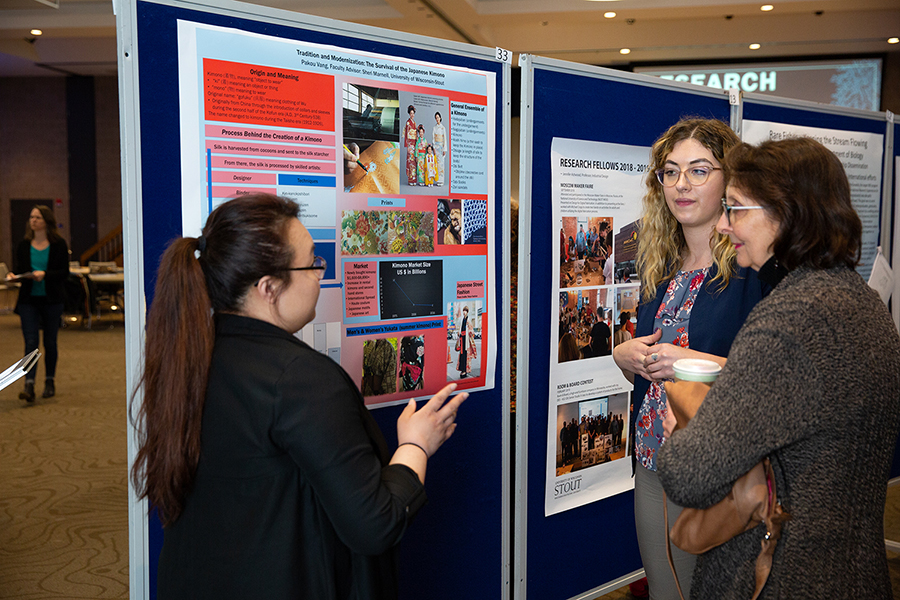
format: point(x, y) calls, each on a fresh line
point(774, 518)
point(669, 545)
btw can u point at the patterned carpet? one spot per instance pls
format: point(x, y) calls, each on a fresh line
point(63, 496)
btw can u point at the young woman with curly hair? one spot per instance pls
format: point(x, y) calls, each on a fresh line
point(694, 299)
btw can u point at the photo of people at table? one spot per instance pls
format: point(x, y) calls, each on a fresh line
point(585, 324)
point(425, 142)
point(585, 251)
point(591, 432)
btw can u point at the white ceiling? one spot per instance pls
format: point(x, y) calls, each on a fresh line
point(80, 37)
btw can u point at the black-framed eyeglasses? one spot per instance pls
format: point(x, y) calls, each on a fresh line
point(728, 208)
point(669, 176)
point(319, 264)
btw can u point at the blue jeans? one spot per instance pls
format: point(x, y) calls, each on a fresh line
point(36, 314)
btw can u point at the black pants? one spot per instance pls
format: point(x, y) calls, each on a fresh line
point(37, 314)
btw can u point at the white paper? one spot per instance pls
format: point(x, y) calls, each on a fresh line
point(882, 277)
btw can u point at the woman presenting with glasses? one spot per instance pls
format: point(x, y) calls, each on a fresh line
point(694, 299)
point(267, 471)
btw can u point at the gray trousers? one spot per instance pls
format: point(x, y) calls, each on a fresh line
point(648, 517)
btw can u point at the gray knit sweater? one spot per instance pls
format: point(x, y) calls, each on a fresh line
point(812, 380)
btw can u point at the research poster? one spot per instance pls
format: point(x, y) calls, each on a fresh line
point(597, 193)
point(391, 161)
point(862, 155)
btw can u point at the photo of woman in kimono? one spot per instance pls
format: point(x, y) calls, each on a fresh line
point(412, 363)
point(439, 141)
point(431, 172)
point(410, 137)
point(421, 151)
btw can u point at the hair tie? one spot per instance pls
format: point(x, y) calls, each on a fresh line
point(201, 243)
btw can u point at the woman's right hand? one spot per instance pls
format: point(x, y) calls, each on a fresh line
point(630, 355)
point(433, 424)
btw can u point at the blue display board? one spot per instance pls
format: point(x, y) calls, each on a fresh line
point(457, 545)
point(572, 552)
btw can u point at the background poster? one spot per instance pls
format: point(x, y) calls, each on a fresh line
point(862, 156)
point(388, 159)
point(597, 190)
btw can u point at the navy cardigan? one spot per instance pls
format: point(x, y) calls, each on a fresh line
point(718, 314)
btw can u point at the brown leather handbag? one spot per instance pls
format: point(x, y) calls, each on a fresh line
point(751, 501)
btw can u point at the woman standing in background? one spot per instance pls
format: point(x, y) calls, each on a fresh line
point(42, 265)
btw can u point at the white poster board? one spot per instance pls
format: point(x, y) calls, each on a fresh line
point(597, 190)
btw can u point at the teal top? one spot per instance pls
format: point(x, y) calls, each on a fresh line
point(39, 261)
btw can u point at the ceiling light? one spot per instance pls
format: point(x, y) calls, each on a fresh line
point(893, 40)
point(766, 7)
point(609, 15)
point(625, 51)
point(36, 32)
point(754, 46)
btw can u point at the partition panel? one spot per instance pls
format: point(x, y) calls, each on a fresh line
point(590, 549)
point(464, 528)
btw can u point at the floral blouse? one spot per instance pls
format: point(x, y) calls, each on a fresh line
point(673, 317)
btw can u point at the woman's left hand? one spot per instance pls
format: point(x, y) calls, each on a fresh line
point(660, 358)
point(38, 275)
point(433, 424)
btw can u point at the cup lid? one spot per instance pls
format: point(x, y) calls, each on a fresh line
point(696, 369)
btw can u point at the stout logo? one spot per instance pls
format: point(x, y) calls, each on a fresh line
point(567, 487)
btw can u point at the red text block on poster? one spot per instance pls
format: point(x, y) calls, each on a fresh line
point(242, 93)
point(361, 288)
point(469, 289)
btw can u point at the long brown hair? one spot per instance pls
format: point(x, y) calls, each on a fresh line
point(49, 219)
point(661, 239)
point(243, 240)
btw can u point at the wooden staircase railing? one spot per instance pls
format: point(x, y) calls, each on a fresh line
point(108, 249)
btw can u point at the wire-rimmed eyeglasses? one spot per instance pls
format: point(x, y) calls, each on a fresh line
point(728, 208)
point(669, 176)
point(319, 265)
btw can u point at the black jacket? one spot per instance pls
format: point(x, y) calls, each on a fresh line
point(293, 496)
point(55, 277)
